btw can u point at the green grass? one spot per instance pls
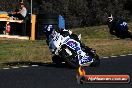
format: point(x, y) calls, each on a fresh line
point(22, 50)
point(97, 37)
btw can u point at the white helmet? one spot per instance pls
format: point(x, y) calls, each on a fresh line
point(110, 18)
point(49, 29)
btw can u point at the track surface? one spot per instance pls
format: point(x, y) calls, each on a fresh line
point(52, 76)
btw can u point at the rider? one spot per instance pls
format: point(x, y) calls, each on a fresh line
point(118, 28)
point(50, 31)
point(65, 32)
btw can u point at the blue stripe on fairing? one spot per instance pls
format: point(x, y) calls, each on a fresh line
point(66, 40)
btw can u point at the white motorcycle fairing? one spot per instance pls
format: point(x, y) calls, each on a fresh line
point(56, 40)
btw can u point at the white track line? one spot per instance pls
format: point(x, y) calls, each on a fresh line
point(122, 55)
point(6, 68)
point(15, 67)
point(24, 66)
point(34, 65)
point(113, 56)
point(38, 65)
point(129, 54)
point(105, 57)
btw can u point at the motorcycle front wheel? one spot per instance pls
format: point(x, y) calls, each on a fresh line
point(57, 59)
point(69, 57)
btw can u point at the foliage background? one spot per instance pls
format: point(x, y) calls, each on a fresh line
point(85, 12)
point(77, 12)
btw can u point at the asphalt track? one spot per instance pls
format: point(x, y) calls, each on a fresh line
point(52, 76)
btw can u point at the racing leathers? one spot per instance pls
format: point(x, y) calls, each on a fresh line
point(119, 28)
point(76, 37)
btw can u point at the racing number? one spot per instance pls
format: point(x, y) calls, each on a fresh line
point(124, 24)
point(56, 38)
point(72, 44)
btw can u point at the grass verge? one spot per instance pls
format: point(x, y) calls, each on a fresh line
point(97, 37)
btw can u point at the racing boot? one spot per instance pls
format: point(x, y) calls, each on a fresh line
point(88, 50)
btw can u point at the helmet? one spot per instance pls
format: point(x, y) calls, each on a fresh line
point(48, 29)
point(69, 31)
point(110, 18)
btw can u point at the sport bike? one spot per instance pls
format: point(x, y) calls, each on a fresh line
point(68, 50)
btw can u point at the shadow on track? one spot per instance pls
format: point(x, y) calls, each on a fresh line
point(48, 64)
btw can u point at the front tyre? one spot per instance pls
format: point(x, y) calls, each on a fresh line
point(57, 59)
point(71, 60)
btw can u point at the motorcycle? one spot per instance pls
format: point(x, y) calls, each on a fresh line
point(123, 30)
point(68, 50)
point(119, 28)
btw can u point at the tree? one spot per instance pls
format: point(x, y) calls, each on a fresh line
point(86, 12)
